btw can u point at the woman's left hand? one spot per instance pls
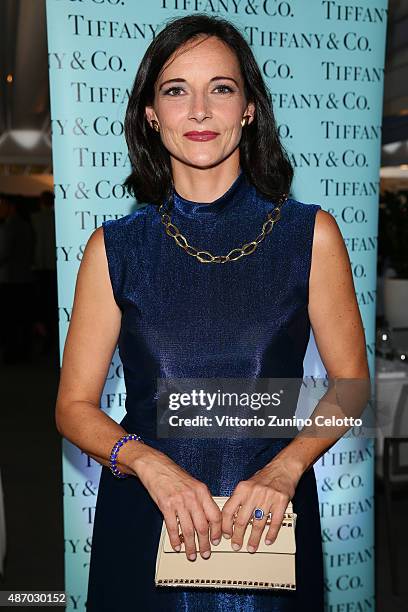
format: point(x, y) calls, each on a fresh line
point(270, 488)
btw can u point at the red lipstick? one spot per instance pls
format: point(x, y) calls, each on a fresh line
point(201, 136)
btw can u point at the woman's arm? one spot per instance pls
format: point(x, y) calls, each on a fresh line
point(90, 343)
point(338, 330)
point(91, 340)
point(337, 326)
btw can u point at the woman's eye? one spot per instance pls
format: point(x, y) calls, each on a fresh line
point(167, 92)
point(225, 87)
point(170, 91)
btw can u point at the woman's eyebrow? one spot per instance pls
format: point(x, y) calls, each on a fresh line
point(180, 80)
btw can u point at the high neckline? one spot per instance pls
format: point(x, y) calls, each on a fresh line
point(190, 207)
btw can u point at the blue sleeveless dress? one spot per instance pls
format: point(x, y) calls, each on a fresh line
point(185, 319)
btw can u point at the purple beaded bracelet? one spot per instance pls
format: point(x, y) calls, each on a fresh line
point(114, 454)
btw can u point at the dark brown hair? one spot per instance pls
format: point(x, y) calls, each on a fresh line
point(262, 156)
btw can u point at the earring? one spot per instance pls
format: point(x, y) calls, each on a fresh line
point(155, 125)
point(244, 120)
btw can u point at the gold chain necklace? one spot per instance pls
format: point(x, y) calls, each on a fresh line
point(205, 256)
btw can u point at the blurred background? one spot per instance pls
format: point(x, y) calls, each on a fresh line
point(30, 447)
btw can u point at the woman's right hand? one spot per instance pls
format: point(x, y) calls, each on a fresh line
point(177, 493)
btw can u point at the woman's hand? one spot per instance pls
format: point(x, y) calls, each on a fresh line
point(177, 493)
point(270, 488)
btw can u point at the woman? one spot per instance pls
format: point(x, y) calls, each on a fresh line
point(203, 142)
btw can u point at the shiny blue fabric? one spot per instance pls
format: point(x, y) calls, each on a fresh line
point(185, 319)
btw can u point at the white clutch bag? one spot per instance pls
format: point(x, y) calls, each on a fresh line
point(270, 567)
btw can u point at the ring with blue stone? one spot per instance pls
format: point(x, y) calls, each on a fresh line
point(258, 514)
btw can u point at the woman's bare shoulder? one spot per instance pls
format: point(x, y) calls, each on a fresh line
point(327, 234)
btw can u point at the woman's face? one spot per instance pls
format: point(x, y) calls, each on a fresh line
point(201, 89)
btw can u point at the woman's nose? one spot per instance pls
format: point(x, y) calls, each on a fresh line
point(200, 107)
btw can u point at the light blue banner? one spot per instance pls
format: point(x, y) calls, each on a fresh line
point(323, 62)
